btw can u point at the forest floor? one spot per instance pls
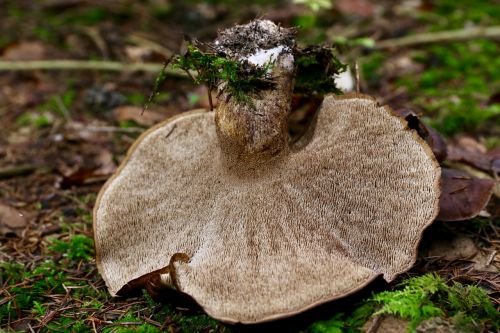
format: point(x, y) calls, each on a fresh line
point(64, 132)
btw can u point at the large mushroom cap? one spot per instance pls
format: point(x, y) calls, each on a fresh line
point(313, 225)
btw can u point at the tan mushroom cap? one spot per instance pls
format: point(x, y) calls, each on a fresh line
point(316, 224)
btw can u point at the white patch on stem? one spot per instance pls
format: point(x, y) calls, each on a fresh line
point(263, 57)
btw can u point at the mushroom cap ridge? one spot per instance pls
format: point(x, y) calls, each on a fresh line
point(318, 225)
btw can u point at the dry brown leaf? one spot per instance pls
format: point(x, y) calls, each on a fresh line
point(106, 163)
point(401, 64)
point(452, 248)
point(470, 151)
point(11, 221)
point(128, 112)
point(476, 173)
point(138, 53)
point(89, 170)
point(24, 51)
point(462, 195)
point(355, 7)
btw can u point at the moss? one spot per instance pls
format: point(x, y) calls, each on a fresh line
point(418, 299)
point(212, 70)
point(33, 291)
point(78, 247)
point(316, 69)
point(460, 76)
point(457, 83)
point(130, 323)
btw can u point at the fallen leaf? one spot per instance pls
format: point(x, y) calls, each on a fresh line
point(24, 51)
point(452, 248)
point(476, 173)
point(469, 151)
point(96, 168)
point(355, 7)
point(11, 221)
point(79, 178)
point(470, 144)
point(455, 246)
point(462, 195)
point(138, 53)
point(106, 163)
point(401, 64)
point(148, 118)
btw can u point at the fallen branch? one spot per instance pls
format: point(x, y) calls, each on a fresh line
point(86, 65)
point(441, 36)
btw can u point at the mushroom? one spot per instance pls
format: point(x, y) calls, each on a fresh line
point(221, 207)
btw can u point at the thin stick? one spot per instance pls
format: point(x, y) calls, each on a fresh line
point(18, 170)
point(375, 325)
point(86, 65)
point(143, 41)
point(94, 34)
point(356, 68)
point(210, 102)
point(105, 129)
point(441, 36)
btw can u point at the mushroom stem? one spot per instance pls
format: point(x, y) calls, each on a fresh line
point(256, 130)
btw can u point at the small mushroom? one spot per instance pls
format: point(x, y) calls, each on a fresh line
point(220, 206)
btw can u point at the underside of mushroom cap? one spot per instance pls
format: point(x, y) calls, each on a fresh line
point(314, 225)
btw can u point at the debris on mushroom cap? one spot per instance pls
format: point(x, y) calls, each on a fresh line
point(315, 225)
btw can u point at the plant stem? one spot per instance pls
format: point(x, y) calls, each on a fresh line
point(441, 36)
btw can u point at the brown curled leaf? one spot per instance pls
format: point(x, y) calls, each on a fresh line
point(469, 151)
point(462, 195)
point(12, 222)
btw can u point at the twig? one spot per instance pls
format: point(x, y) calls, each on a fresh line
point(105, 129)
point(440, 36)
point(145, 42)
point(94, 34)
point(19, 170)
point(86, 65)
point(491, 257)
point(356, 66)
point(375, 325)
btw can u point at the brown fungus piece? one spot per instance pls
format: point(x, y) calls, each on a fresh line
point(221, 207)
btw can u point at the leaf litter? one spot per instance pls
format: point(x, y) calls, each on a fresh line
point(48, 277)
